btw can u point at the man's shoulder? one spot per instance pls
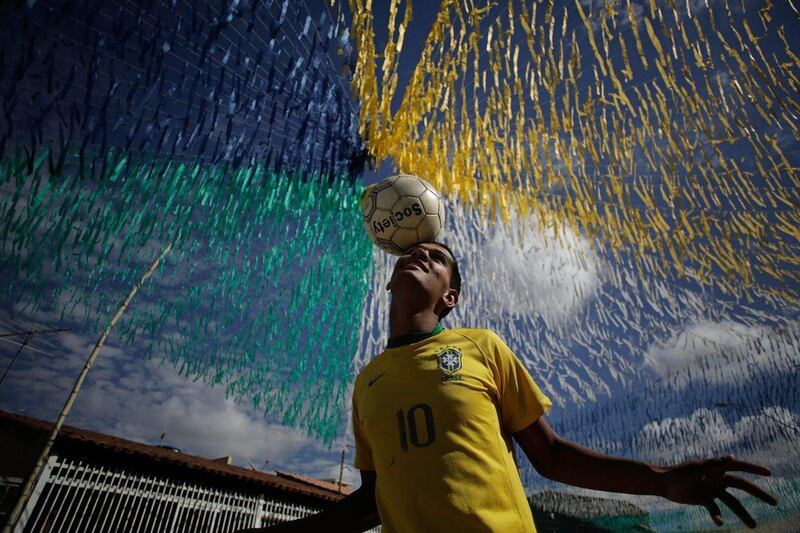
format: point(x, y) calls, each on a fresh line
point(370, 367)
point(485, 340)
point(479, 335)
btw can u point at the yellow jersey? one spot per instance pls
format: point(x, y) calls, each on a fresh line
point(434, 420)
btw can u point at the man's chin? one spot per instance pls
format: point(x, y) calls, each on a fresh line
point(407, 277)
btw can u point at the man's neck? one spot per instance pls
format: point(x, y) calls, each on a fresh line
point(404, 323)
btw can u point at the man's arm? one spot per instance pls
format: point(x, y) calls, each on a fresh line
point(693, 482)
point(357, 512)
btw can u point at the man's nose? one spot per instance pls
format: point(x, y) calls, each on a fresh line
point(420, 252)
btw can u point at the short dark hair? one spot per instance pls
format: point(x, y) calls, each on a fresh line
point(455, 275)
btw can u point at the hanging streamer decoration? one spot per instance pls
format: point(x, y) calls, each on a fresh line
point(623, 196)
point(227, 128)
point(621, 181)
point(655, 146)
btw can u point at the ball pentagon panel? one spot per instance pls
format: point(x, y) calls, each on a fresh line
point(407, 185)
point(367, 204)
point(405, 237)
point(430, 229)
point(386, 197)
point(430, 201)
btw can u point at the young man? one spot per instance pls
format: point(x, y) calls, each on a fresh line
point(433, 418)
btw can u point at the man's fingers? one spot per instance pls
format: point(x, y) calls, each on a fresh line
point(737, 508)
point(713, 510)
point(737, 482)
point(723, 464)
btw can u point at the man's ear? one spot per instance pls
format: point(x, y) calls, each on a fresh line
point(450, 298)
point(389, 286)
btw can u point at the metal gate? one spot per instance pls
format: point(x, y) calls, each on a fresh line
point(73, 496)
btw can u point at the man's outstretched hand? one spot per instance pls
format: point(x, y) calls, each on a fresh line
point(703, 482)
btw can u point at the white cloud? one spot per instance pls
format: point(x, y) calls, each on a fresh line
point(699, 340)
point(534, 272)
point(139, 399)
point(706, 432)
point(143, 401)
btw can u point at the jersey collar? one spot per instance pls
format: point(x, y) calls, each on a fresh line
point(396, 342)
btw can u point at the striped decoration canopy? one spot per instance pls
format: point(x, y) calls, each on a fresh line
point(620, 176)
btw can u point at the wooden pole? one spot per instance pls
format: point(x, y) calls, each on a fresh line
point(341, 471)
point(40, 462)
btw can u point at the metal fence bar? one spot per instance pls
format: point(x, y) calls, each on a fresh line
point(258, 512)
point(218, 512)
point(241, 511)
point(230, 501)
point(102, 501)
point(131, 497)
point(201, 502)
point(87, 490)
point(112, 509)
point(164, 508)
point(153, 500)
point(80, 494)
point(194, 491)
point(250, 514)
point(101, 493)
point(141, 494)
point(221, 516)
point(66, 487)
point(56, 491)
point(178, 509)
point(144, 502)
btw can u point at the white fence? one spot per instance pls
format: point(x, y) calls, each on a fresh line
point(73, 496)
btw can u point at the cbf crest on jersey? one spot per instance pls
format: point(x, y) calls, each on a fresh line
point(449, 359)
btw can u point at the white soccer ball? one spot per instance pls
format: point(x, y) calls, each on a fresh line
point(401, 211)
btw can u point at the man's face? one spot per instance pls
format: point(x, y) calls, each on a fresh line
point(426, 267)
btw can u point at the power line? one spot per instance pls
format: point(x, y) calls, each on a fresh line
point(28, 337)
point(33, 332)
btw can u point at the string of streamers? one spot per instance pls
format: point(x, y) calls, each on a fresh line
point(226, 127)
point(665, 128)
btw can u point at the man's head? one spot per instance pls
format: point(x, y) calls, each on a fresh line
point(427, 274)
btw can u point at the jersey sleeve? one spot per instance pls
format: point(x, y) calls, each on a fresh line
point(363, 459)
point(521, 401)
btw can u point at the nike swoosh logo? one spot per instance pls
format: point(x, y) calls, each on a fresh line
point(376, 378)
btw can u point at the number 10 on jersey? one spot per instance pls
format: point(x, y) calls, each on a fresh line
point(408, 428)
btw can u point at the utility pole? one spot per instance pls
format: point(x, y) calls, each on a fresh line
point(28, 337)
point(341, 467)
point(341, 471)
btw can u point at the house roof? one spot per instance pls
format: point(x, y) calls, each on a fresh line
point(327, 485)
point(124, 450)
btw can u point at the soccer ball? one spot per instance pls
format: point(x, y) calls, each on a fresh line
point(401, 211)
